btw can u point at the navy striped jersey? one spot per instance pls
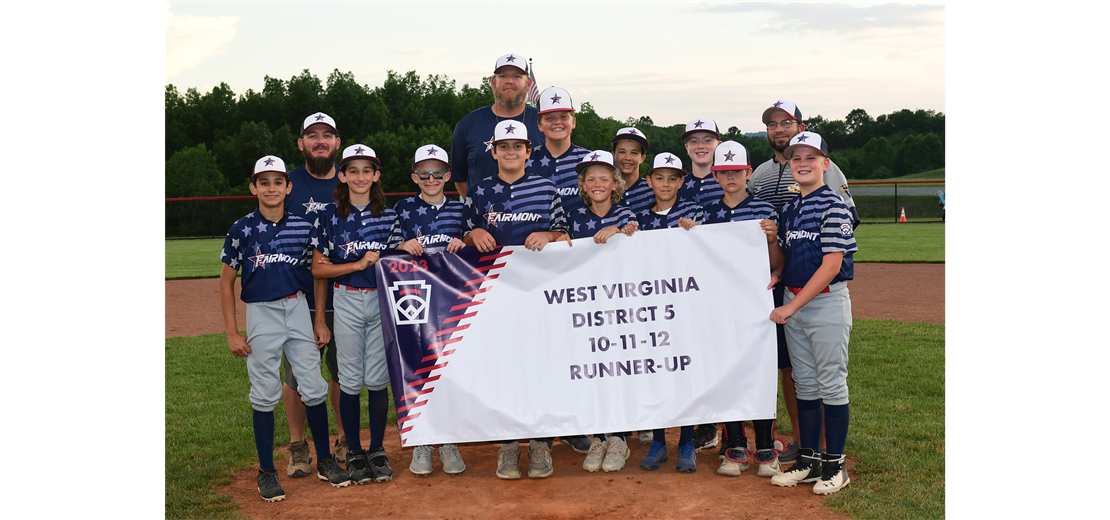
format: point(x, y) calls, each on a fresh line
point(811, 227)
point(472, 139)
point(584, 223)
point(682, 209)
point(346, 240)
point(561, 172)
point(700, 191)
point(772, 182)
point(511, 212)
point(275, 256)
point(434, 227)
point(751, 208)
point(638, 197)
point(308, 199)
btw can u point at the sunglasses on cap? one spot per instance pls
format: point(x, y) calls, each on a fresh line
point(436, 174)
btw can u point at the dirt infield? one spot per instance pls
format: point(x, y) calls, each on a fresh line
point(903, 292)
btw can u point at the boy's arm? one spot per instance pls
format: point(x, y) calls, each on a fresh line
point(830, 266)
point(235, 341)
point(320, 326)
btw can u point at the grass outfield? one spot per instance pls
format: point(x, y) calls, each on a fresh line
point(896, 376)
point(900, 243)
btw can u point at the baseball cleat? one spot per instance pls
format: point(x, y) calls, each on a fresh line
point(379, 466)
point(686, 458)
point(615, 455)
point(508, 461)
point(421, 460)
point(656, 455)
point(768, 462)
point(451, 459)
point(833, 475)
point(807, 469)
point(595, 456)
point(705, 436)
point(269, 487)
point(539, 455)
point(329, 470)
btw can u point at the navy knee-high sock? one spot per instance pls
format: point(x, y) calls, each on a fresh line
point(379, 400)
point(686, 435)
point(764, 438)
point(809, 424)
point(350, 411)
point(836, 428)
point(264, 438)
point(659, 435)
point(318, 425)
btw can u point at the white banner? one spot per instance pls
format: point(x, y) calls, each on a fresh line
point(665, 328)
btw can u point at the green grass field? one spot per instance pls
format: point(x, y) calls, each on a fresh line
point(193, 258)
point(896, 376)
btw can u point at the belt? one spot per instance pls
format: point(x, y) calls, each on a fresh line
point(349, 288)
point(294, 295)
point(797, 290)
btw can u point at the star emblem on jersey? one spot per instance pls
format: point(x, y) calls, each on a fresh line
point(698, 123)
point(259, 259)
point(510, 129)
point(729, 156)
point(312, 206)
point(594, 157)
point(359, 150)
point(489, 144)
point(555, 98)
point(269, 161)
point(349, 248)
point(511, 58)
point(669, 160)
point(544, 161)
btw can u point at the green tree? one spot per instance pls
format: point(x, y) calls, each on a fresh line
point(304, 97)
point(856, 119)
point(236, 154)
point(877, 153)
point(842, 162)
point(192, 172)
point(919, 153)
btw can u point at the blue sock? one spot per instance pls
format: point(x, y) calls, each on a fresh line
point(264, 438)
point(318, 424)
point(809, 424)
point(686, 435)
point(379, 400)
point(836, 428)
point(659, 435)
point(351, 412)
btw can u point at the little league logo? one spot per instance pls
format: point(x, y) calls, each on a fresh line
point(409, 300)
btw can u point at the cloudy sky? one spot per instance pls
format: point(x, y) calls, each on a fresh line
point(670, 61)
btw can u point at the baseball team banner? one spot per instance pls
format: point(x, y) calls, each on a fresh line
point(664, 328)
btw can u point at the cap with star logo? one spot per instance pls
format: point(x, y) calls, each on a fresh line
point(790, 108)
point(511, 60)
point(359, 151)
point(703, 124)
point(555, 99)
point(430, 151)
point(630, 132)
point(731, 155)
point(318, 118)
point(596, 158)
point(510, 130)
point(666, 161)
point(806, 139)
point(270, 163)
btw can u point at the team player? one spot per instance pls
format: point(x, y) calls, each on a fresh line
point(630, 148)
point(515, 208)
point(700, 139)
point(816, 237)
point(473, 136)
point(313, 184)
point(665, 178)
point(430, 222)
point(272, 246)
point(772, 182)
point(351, 235)
point(732, 167)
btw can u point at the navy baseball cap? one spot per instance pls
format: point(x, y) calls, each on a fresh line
point(807, 139)
point(359, 151)
point(631, 133)
point(791, 110)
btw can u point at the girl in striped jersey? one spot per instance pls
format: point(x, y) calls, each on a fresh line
point(352, 234)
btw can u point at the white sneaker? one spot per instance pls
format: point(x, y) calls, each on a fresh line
point(595, 455)
point(833, 475)
point(729, 468)
point(768, 462)
point(616, 454)
point(421, 460)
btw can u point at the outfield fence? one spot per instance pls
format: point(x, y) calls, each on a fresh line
point(206, 217)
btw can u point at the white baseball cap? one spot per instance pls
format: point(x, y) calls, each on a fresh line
point(596, 158)
point(791, 110)
point(555, 99)
point(701, 125)
point(359, 151)
point(731, 155)
point(270, 163)
point(510, 130)
point(667, 161)
point(630, 132)
point(430, 151)
point(511, 60)
point(318, 118)
point(808, 139)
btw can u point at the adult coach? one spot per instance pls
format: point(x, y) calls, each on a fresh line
point(773, 182)
point(471, 143)
point(313, 186)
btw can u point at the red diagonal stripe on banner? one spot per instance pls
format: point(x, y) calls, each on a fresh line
point(437, 356)
point(404, 431)
point(472, 293)
point(429, 369)
point(444, 342)
point(409, 417)
point(445, 332)
point(465, 305)
point(416, 394)
point(477, 281)
point(486, 268)
point(422, 381)
point(459, 317)
point(413, 405)
point(494, 257)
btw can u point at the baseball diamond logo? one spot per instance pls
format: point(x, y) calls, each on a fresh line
point(409, 300)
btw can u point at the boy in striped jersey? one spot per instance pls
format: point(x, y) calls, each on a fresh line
point(630, 148)
point(557, 156)
point(700, 139)
point(817, 240)
point(665, 179)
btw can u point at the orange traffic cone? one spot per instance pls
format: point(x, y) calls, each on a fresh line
point(903, 219)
